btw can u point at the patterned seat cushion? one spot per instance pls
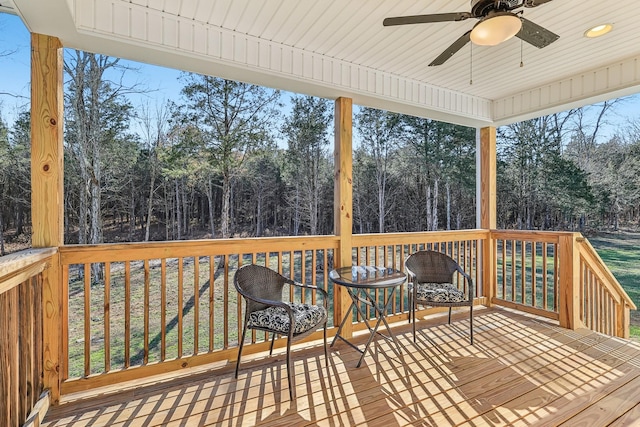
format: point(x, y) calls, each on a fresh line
point(306, 317)
point(439, 292)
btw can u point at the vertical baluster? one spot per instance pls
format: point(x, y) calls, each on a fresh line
point(555, 277)
point(196, 304)
point(127, 314)
point(212, 300)
point(64, 318)
point(503, 259)
point(534, 273)
point(587, 296)
point(303, 274)
point(313, 274)
point(107, 316)
point(87, 320)
point(180, 304)
point(163, 309)
point(523, 272)
point(544, 276)
point(226, 300)
point(147, 291)
point(601, 303)
point(593, 313)
point(253, 331)
point(514, 247)
point(582, 288)
point(292, 259)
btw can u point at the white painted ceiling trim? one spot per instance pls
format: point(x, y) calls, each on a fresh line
point(257, 61)
point(596, 85)
point(334, 48)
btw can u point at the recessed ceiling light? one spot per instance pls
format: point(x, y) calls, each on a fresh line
point(598, 30)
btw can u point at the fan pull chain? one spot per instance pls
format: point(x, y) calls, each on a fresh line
point(521, 49)
point(470, 63)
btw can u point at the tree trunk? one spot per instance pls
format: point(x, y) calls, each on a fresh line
point(178, 213)
point(210, 202)
point(226, 206)
point(2, 253)
point(429, 212)
point(434, 216)
point(132, 213)
point(448, 190)
point(150, 202)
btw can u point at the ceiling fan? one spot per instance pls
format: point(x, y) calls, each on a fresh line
point(498, 23)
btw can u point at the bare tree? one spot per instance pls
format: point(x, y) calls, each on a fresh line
point(380, 131)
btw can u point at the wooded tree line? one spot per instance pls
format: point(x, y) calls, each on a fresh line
point(232, 159)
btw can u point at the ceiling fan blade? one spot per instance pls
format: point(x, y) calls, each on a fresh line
point(534, 3)
point(536, 35)
point(424, 19)
point(451, 50)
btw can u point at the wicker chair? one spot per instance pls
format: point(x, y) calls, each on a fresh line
point(431, 284)
point(262, 290)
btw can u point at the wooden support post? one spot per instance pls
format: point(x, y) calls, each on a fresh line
point(343, 204)
point(622, 320)
point(569, 298)
point(487, 179)
point(47, 191)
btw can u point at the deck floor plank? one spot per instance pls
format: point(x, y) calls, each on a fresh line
point(628, 419)
point(522, 370)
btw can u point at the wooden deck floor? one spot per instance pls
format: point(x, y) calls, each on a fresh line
point(522, 370)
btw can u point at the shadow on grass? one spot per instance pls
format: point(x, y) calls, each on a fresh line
point(155, 342)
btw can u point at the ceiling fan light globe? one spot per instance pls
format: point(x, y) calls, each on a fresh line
point(496, 29)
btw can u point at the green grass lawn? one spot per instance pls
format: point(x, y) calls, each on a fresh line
point(621, 252)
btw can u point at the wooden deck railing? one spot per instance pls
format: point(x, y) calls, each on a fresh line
point(145, 308)
point(560, 276)
point(526, 271)
point(140, 309)
point(21, 340)
point(391, 250)
point(604, 305)
point(134, 310)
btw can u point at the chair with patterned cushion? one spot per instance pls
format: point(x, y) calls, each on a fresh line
point(431, 283)
point(262, 289)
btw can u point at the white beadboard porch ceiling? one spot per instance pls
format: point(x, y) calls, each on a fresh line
point(337, 48)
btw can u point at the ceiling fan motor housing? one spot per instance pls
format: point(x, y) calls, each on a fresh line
point(480, 8)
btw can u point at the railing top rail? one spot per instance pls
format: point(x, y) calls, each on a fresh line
point(114, 252)
point(19, 266)
point(531, 235)
point(588, 251)
point(418, 237)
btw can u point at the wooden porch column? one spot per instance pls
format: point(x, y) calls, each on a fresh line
point(343, 204)
point(569, 300)
point(47, 191)
point(486, 217)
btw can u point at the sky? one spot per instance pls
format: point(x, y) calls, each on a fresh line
point(162, 83)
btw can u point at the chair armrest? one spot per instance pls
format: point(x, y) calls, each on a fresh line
point(324, 293)
point(469, 282)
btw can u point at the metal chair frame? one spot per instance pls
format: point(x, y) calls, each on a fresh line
point(435, 267)
point(262, 287)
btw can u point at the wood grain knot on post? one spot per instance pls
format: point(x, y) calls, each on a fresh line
point(53, 121)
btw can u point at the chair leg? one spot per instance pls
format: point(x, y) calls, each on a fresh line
point(290, 368)
point(326, 353)
point(413, 314)
point(273, 339)
point(449, 315)
point(244, 330)
point(471, 322)
point(410, 304)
